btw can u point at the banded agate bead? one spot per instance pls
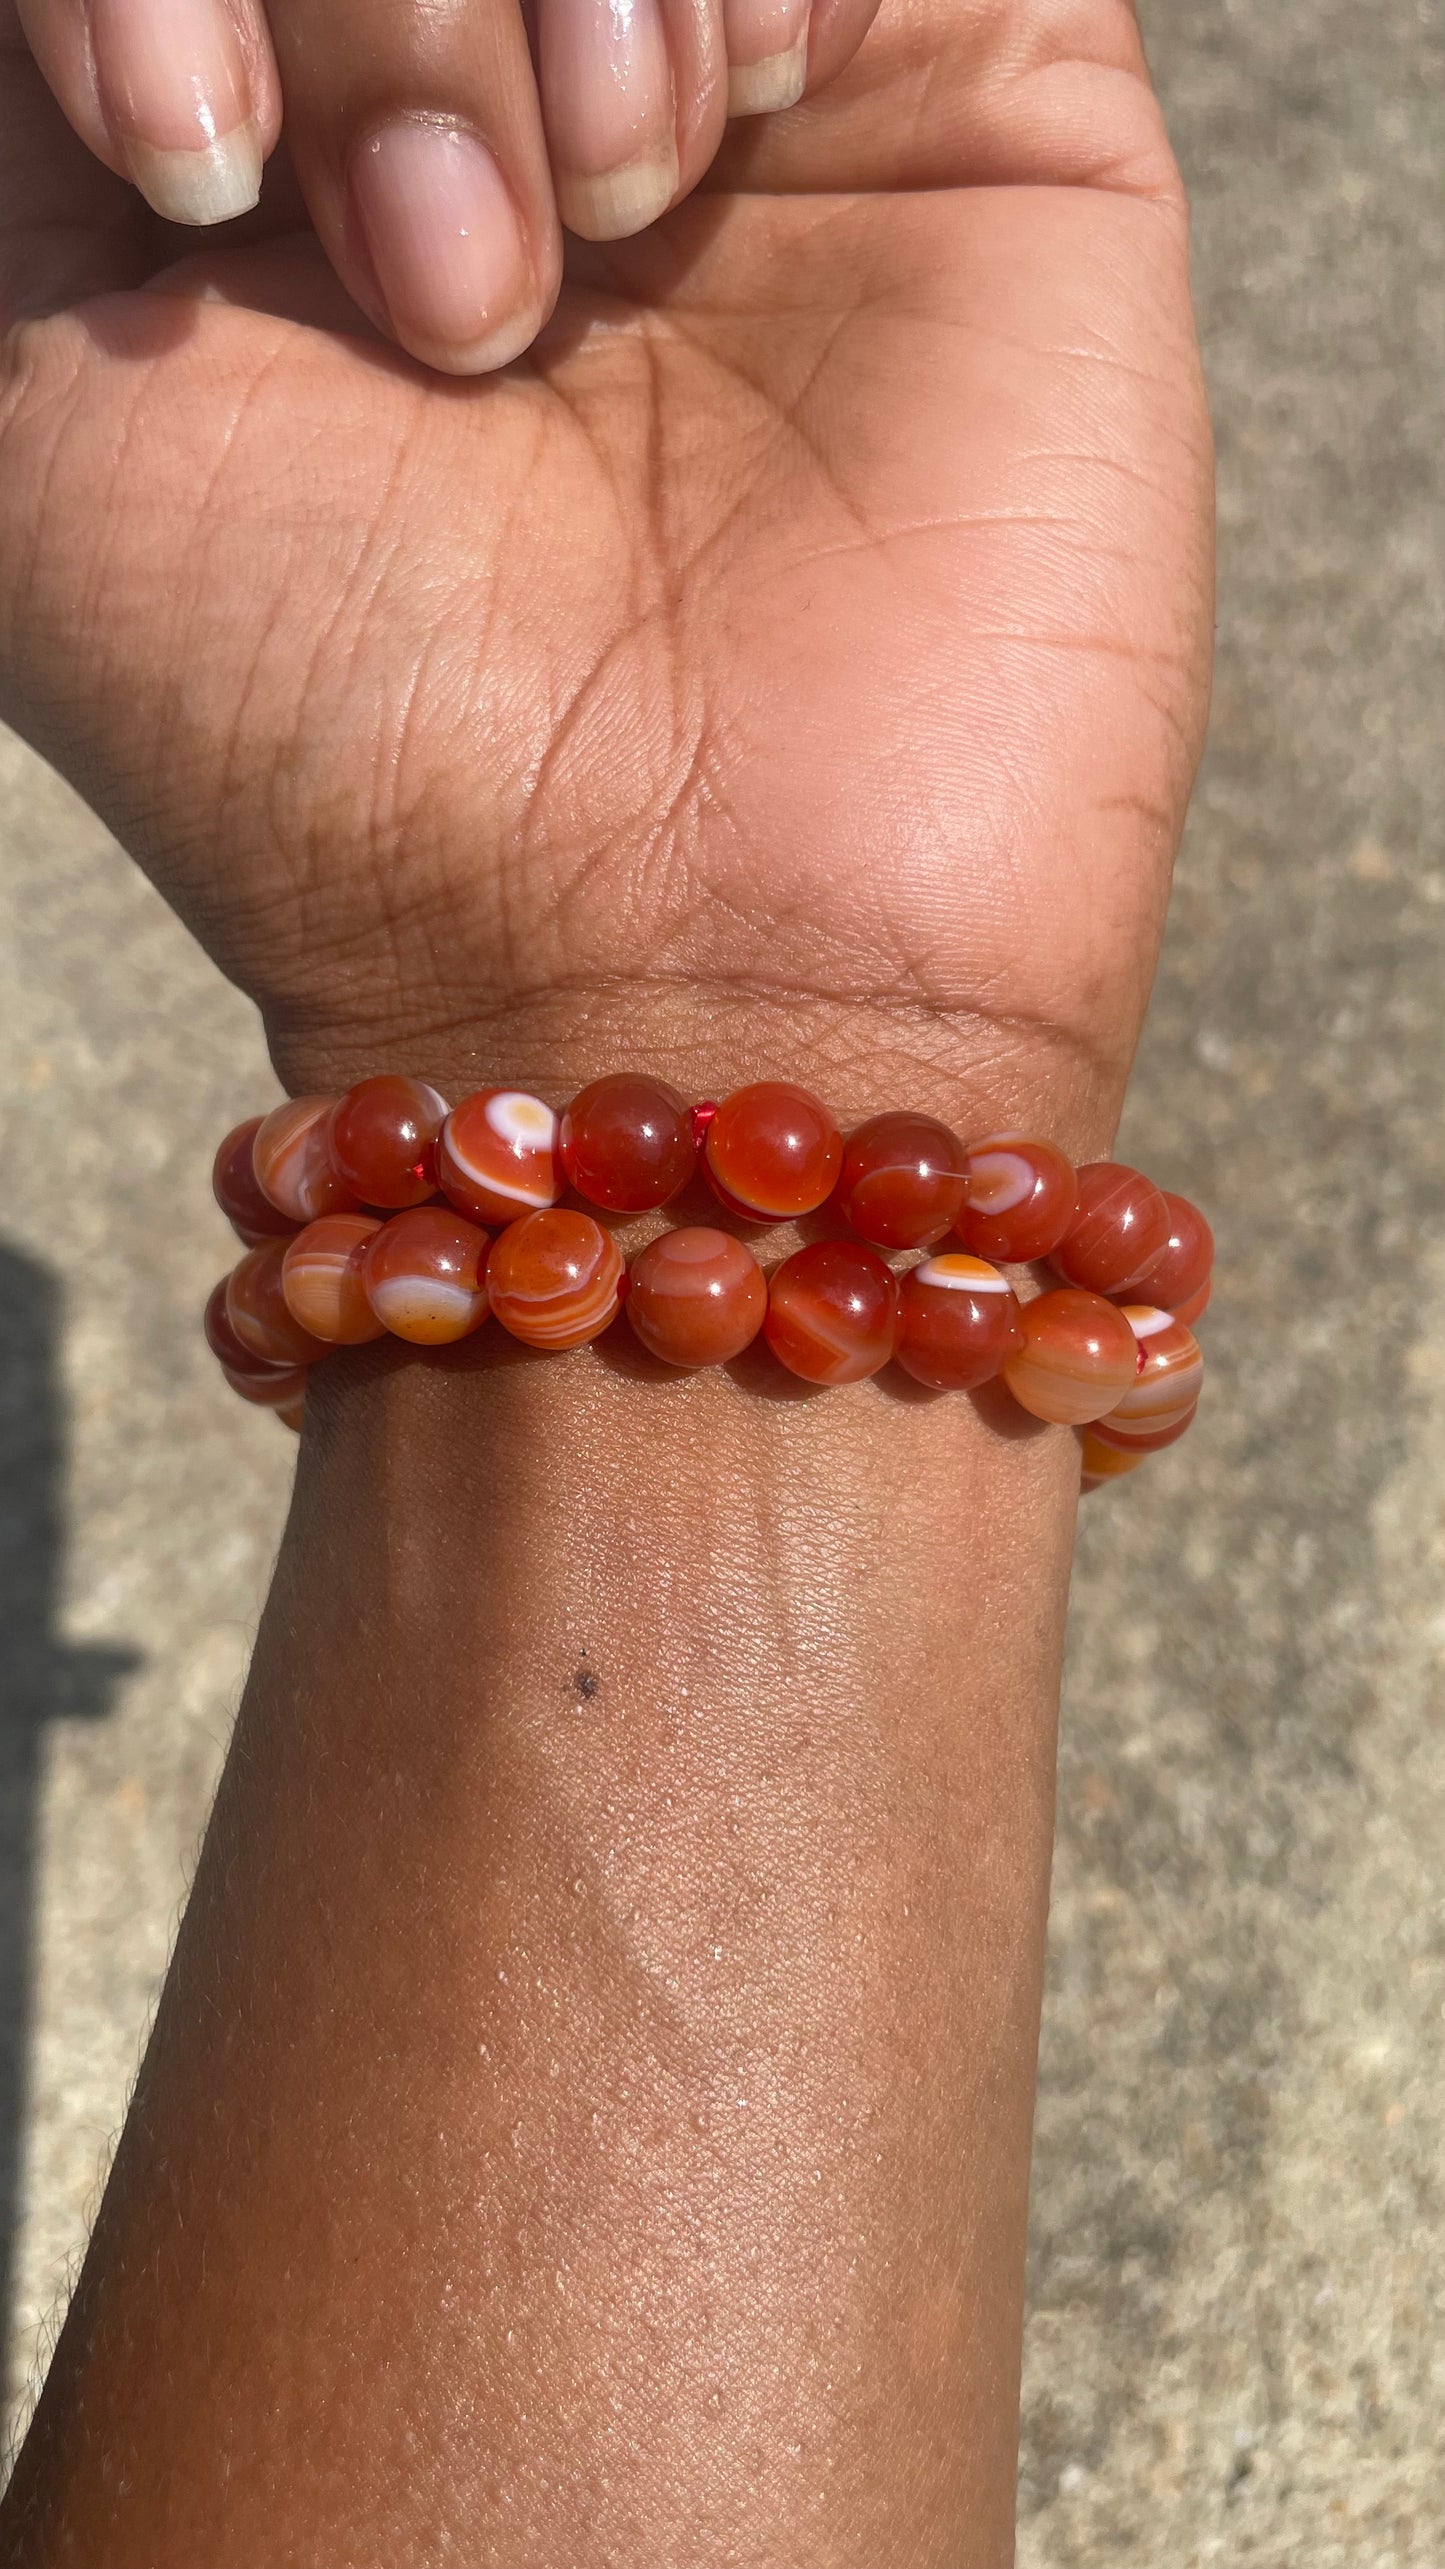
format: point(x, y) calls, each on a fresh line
point(258, 1312)
point(278, 1387)
point(322, 1277)
point(1192, 1310)
point(1146, 1444)
point(1182, 1274)
point(382, 1138)
point(958, 1322)
point(498, 1156)
point(832, 1312)
point(772, 1152)
point(231, 1352)
point(696, 1296)
point(1019, 1199)
point(1167, 1385)
point(1077, 1361)
point(1119, 1231)
point(902, 1181)
point(426, 1276)
point(627, 1143)
point(292, 1163)
point(252, 1215)
point(1104, 1462)
point(555, 1279)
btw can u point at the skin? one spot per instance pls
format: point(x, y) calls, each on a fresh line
point(588, 2115)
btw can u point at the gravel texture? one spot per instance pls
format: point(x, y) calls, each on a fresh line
point(1236, 2347)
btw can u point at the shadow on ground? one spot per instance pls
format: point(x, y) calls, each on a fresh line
point(42, 1677)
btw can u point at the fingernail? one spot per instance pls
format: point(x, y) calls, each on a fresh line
point(442, 231)
point(767, 43)
point(608, 103)
point(176, 94)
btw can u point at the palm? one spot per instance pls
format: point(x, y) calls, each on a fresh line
point(816, 620)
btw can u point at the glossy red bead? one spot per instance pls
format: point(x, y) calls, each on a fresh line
point(1108, 1433)
point(279, 1387)
point(958, 1322)
point(251, 1214)
point(627, 1143)
point(231, 1352)
point(1185, 1269)
point(773, 1151)
point(1077, 1361)
point(258, 1312)
point(1119, 1232)
point(1169, 1380)
point(1103, 1462)
point(1192, 1310)
point(293, 1164)
point(323, 1279)
point(696, 1296)
point(902, 1181)
point(426, 1276)
point(832, 1312)
point(1019, 1199)
point(498, 1156)
point(382, 1138)
point(556, 1278)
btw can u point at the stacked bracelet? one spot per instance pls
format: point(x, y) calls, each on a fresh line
point(376, 1212)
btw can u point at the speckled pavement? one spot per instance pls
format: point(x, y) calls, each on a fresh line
point(1236, 2346)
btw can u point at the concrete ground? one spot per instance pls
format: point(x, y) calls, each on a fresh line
point(1236, 2346)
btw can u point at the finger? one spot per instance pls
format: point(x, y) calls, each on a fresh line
point(966, 93)
point(634, 99)
point(418, 142)
point(777, 49)
point(179, 96)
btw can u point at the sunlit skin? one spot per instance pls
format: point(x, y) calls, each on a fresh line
point(818, 621)
point(615, 1958)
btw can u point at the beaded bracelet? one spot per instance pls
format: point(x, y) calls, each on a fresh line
point(368, 1213)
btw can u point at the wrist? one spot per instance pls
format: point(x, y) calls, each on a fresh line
point(864, 1052)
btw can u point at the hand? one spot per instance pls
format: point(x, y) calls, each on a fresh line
point(798, 663)
point(435, 158)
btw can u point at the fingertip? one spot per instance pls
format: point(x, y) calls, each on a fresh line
point(615, 204)
point(765, 88)
point(199, 188)
point(443, 242)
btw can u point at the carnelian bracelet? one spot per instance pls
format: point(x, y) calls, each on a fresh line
point(369, 1213)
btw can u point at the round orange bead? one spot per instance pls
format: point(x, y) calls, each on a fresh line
point(958, 1322)
point(292, 1163)
point(902, 1181)
point(426, 1276)
point(279, 1387)
point(1167, 1385)
point(382, 1138)
point(498, 1156)
point(1019, 1199)
point(230, 1351)
point(1192, 1310)
point(1183, 1272)
point(1119, 1232)
point(555, 1279)
point(832, 1312)
point(252, 1215)
point(1179, 1426)
point(1102, 1462)
point(627, 1143)
point(322, 1277)
point(696, 1296)
point(258, 1312)
point(773, 1151)
point(1077, 1361)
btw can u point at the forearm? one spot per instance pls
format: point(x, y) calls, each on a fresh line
point(588, 2116)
